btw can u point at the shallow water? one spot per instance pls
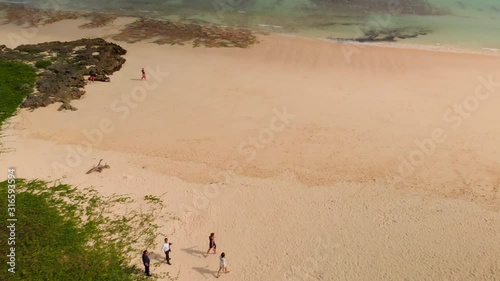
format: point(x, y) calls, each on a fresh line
point(467, 23)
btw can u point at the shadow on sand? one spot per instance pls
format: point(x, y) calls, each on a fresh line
point(206, 271)
point(157, 256)
point(194, 252)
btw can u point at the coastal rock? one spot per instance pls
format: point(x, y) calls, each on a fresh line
point(23, 15)
point(166, 32)
point(101, 78)
point(67, 106)
point(32, 17)
point(385, 35)
point(162, 32)
point(98, 20)
point(63, 80)
point(36, 100)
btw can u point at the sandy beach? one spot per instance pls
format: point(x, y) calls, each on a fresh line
point(310, 160)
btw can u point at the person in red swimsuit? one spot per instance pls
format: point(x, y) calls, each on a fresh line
point(92, 75)
point(143, 74)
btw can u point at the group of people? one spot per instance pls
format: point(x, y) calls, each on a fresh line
point(212, 245)
point(166, 248)
point(145, 256)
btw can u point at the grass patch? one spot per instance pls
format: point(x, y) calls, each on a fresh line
point(63, 233)
point(43, 63)
point(16, 82)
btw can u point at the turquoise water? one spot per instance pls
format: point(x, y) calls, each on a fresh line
point(467, 23)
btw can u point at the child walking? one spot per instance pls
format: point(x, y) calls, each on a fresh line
point(223, 265)
point(143, 74)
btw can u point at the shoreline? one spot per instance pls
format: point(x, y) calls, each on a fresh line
point(328, 57)
point(325, 56)
point(265, 29)
point(400, 45)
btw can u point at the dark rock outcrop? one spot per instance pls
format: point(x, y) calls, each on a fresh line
point(67, 106)
point(166, 32)
point(163, 32)
point(32, 17)
point(385, 35)
point(63, 80)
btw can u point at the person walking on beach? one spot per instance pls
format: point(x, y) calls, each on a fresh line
point(92, 75)
point(145, 261)
point(143, 74)
point(223, 265)
point(211, 244)
point(166, 250)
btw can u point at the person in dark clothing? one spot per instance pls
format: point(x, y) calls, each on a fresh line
point(92, 75)
point(212, 243)
point(145, 261)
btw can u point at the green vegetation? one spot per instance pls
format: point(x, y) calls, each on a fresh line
point(17, 81)
point(63, 233)
point(43, 63)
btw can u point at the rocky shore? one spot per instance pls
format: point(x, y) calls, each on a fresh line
point(166, 32)
point(62, 66)
point(162, 32)
point(385, 35)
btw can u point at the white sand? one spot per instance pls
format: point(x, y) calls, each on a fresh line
point(314, 197)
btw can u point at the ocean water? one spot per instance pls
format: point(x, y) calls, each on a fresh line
point(468, 24)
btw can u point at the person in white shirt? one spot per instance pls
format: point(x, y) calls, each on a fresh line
point(223, 265)
point(166, 250)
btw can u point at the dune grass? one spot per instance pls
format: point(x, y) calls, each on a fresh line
point(63, 233)
point(16, 82)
